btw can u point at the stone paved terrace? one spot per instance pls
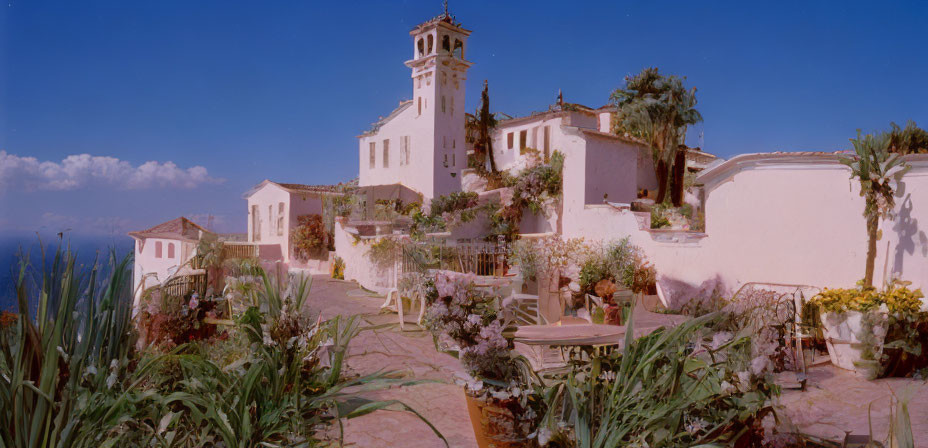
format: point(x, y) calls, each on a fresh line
point(411, 352)
point(835, 402)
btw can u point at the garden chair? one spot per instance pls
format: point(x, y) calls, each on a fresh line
point(526, 309)
point(394, 302)
point(788, 309)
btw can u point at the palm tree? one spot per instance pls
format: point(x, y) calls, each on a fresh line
point(876, 168)
point(657, 109)
point(910, 140)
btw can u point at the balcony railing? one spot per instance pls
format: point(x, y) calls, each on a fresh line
point(478, 258)
point(239, 250)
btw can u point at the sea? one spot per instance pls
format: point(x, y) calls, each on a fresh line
point(15, 249)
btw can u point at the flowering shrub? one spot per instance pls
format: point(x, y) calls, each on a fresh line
point(468, 318)
point(523, 254)
point(894, 328)
point(615, 261)
point(309, 238)
point(538, 183)
point(383, 253)
point(689, 377)
point(898, 298)
point(338, 268)
point(445, 212)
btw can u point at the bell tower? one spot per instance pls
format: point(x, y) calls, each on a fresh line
point(439, 73)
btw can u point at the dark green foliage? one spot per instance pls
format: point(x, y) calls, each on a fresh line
point(657, 109)
point(910, 140)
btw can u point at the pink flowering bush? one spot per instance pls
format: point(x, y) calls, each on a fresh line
point(468, 318)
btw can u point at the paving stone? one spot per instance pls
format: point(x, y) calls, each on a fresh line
point(411, 352)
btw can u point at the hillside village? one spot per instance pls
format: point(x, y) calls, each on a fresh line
point(429, 147)
point(574, 218)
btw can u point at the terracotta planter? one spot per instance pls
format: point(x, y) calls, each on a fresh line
point(843, 333)
point(492, 424)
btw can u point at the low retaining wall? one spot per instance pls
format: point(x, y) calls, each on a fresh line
point(358, 266)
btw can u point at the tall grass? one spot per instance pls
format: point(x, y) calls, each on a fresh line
point(69, 376)
point(665, 390)
point(79, 338)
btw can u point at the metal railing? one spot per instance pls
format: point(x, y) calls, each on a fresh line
point(478, 258)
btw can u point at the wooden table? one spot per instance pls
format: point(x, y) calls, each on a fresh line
point(557, 335)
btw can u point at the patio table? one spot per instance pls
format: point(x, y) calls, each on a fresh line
point(570, 335)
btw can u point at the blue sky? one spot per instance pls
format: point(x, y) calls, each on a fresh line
point(254, 90)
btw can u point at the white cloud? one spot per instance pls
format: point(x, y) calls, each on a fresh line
point(83, 170)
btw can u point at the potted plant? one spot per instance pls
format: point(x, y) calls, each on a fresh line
point(468, 323)
point(856, 322)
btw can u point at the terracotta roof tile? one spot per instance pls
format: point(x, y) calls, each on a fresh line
point(179, 228)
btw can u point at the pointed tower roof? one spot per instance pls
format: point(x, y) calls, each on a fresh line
point(444, 18)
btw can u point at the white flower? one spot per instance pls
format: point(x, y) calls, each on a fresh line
point(719, 339)
point(64, 356)
point(544, 435)
point(727, 388)
point(759, 364)
point(744, 381)
point(324, 353)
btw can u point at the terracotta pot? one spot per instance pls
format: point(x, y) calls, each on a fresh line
point(492, 424)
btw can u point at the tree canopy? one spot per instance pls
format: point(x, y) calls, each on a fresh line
point(657, 109)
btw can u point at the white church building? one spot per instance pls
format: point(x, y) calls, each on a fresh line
point(421, 144)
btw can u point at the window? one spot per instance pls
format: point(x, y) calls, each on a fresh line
point(420, 105)
point(404, 150)
point(442, 104)
point(421, 47)
point(431, 42)
point(255, 224)
point(171, 250)
point(270, 220)
point(446, 44)
point(158, 249)
point(454, 160)
point(547, 143)
point(452, 106)
point(523, 136)
point(444, 141)
point(446, 161)
point(454, 143)
point(458, 49)
point(509, 140)
point(373, 155)
point(280, 219)
point(386, 153)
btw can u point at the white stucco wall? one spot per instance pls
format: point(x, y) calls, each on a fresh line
point(790, 222)
point(433, 121)
point(146, 261)
point(358, 266)
point(295, 204)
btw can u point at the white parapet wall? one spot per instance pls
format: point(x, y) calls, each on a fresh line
point(776, 218)
point(358, 266)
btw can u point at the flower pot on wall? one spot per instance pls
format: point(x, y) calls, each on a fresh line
point(494, 426)
point(846, 335)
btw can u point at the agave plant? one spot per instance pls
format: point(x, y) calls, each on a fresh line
point(75, 347)
point(877, 169)
point(664, 390)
